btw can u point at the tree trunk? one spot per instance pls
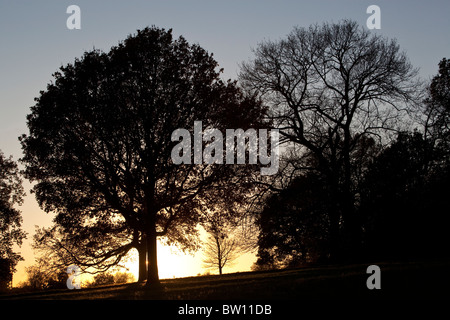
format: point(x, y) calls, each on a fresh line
point(331, 170)
point(219, 254)
point(334, 214)
point(152, 271)
point(348, 203)
point(334, 239)
point(151, 238)
point(142, 260)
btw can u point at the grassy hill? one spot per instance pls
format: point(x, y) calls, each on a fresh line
point(398, 281)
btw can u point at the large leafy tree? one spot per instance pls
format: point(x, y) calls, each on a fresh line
point(99, 147)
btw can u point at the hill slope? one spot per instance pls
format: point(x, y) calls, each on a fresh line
point(398, 281)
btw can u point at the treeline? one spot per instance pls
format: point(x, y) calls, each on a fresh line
point(38, 279)
point(402, 202)
point(400, 195)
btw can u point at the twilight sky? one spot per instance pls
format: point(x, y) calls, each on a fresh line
point(35, 42)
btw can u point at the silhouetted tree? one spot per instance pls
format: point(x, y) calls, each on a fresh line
point(11, 233)
point(229, 225)
point(294, 224)
point(405, 189)
point(102, 279)
point(437, 104)
point(123, 277)
point(94, 248)
point(436, 118)
point(328, 86)
point(219, 250)
point(36, 279)
point(386, 195)
point(99, 146)
point(39, 277)
point(5, 274)
point(108, 278)
point(403, 201)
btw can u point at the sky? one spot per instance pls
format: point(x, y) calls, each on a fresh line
point(35, 42)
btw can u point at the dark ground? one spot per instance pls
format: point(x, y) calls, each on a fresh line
point(415, 280)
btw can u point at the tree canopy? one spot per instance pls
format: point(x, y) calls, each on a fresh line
point(11, 233)
point(11, 195)
point(400, 196)
point(330, 88)
point(99, 147)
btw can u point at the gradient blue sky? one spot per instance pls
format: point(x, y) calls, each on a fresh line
point(35, 42)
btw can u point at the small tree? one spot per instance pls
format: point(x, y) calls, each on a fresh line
point(102, 279)
point(108, 278)
point(227, 226)
point(220, 251)
point(123, 277)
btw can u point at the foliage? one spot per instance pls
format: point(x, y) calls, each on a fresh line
point(294, 225)
point(437, 104)
point(402, 195)
point(330, 88)
point(11, 194)
point(108, 278)
point(99, 148)
point(402, 201)
point(39, 277)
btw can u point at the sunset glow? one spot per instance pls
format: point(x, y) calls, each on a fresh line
point(224, 151)
point(173, 263)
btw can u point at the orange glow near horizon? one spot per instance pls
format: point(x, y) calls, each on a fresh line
point(173, 263)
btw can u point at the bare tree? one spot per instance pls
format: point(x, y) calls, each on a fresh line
point(220, 250)
point(327, 87)
point(230, 223)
